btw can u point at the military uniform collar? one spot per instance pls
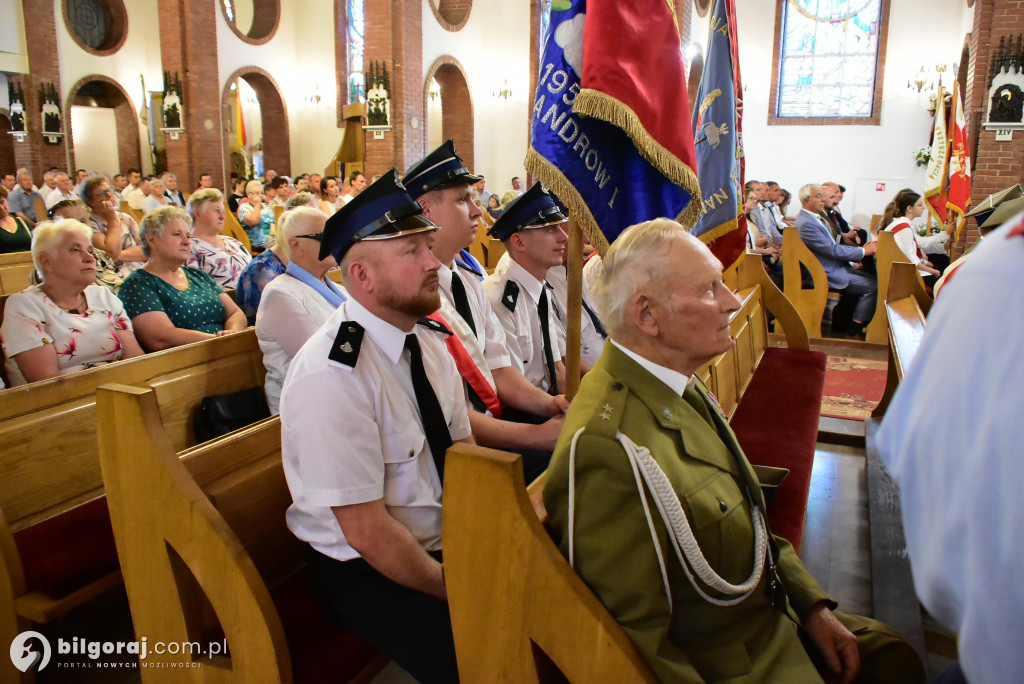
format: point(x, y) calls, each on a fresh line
point(513, 271)
point(674, 379)
point(389, 339)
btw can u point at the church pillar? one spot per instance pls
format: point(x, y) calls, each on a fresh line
point(997, 165)
point(188, 48)
point(35, 153)
point(394, 35)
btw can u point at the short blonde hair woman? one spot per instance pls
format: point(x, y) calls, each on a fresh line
point(65, 323)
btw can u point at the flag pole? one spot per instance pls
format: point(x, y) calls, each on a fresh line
point(574, 309)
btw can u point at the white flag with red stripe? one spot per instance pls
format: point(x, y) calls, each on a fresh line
point(935, 179)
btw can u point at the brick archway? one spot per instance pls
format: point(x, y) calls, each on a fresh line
point(456, 105)
point(7, 161)
point(129, 150)
point(277, 148)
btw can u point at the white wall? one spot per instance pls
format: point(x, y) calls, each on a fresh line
point(493, 45)
point(300, 57)
point(140, 55)
point(921, 32)
point(13, 50)
point(93, 129)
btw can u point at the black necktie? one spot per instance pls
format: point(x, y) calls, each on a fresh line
point(434, 424)
point(549, 357)
point(462, 301)
point(595, 320)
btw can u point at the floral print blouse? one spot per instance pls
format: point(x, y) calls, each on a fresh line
point(82, 340)
point(223, 265)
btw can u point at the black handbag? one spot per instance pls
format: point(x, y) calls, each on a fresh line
point(222, 413)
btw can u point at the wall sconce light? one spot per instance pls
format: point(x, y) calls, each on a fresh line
point(315, 96)
point(433, 90)
point(920, 81)
point(505, 91)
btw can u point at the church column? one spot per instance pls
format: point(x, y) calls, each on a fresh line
point(394, 35)
point(188, 48)
point(996, 164)
point(35, 153)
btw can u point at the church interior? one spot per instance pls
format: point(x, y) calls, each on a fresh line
point(229, 90)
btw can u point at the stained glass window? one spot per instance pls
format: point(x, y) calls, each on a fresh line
point(89, 21)
point(356, 44)
point(828, 58)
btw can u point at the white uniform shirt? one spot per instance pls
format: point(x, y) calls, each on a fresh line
point(591, 341)
point(290, 312)
point(951, 439)
point(523, 336)
point(490, 336)
point(351, 435)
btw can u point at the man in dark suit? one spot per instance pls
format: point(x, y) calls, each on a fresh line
point(858, 290)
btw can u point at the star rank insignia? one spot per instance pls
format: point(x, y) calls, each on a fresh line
point(347, 342)
point(510, 297)
point(606, 412)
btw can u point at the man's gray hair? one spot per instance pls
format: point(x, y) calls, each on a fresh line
point(168, 175)
point(155, 223)
point(806, 191)
point(299, 199)
point(633, 261)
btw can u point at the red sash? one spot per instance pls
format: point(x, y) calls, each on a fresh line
point(903, 226)
point(468, 369)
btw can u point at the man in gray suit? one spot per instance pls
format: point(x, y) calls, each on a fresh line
point(858, 290)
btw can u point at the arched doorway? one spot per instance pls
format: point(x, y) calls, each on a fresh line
point(7, 162)
point(454, 104)
point(103, 127)
point(270, 136)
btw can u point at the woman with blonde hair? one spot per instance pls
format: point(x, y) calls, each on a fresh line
point(65, 323)
point(222, 257)
point(171, 304)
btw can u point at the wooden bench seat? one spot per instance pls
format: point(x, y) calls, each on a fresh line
point(55, 538)
point(894, 600)
point(212, 554)
point(15, 269)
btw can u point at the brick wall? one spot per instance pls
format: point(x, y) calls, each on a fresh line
point(35, 153)
point(129, 151)
point(996, 164)
point(456, 106)
point(452, 15)
point(277, 152)
point(188, 46)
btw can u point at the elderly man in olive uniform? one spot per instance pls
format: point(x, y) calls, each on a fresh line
point(668, 525)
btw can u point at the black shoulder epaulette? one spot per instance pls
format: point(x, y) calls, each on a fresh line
point(346, 343)
point(510, 297)
point(436, 326)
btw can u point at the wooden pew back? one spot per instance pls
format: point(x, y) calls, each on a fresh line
point(497, 554)
point(233, 228)
point(15, 271)
point(888, 254)
point(810, 304)
point(906, 306)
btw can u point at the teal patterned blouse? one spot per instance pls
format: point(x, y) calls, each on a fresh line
point(197, 308)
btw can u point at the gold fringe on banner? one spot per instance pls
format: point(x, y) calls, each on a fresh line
point(598, 105)
point(715, 233)
point(555, 181)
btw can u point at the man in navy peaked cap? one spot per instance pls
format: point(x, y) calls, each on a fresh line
point(369, 407)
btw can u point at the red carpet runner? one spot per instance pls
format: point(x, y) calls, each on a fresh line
point(852, 387)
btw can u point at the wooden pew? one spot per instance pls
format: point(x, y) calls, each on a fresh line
point(893, 597)
point(55, 539)
point(212, 554)
point(888, 254)
point(15, 270)
point(40, 207)
point(506, 578)
point(233, 228)
point(810, 304)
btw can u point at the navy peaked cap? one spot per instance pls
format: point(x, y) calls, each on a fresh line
point(441, 168)
point(382, 211)
point(535, 208)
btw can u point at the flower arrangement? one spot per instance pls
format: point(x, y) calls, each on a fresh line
point(923, 156)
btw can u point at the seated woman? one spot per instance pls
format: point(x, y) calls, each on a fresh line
point(156, 197)
point(908, 206)
point(106, 268)
point(294, 305)
point(256, 216)
point(329, 195)
point(65, 323)
point(237, 193)
point(15, 233)
point(221, 256)
point(115, 233)
point(169, 303)
point(494, 207)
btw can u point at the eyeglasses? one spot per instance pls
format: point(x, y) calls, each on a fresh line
point(319, 237)
point(105, 193)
